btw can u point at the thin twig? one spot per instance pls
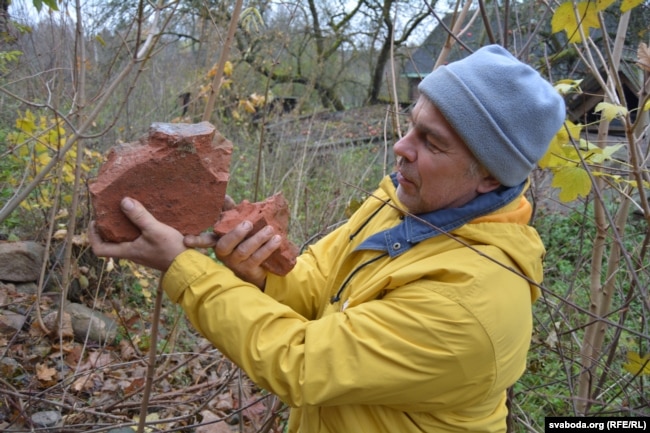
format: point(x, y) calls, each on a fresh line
point(151, 367)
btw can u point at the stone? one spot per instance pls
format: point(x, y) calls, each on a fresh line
point(85, 321)
point(11, 322)
point(179, 172)
point(47, 420)
point(21, 261)
point(273, 211)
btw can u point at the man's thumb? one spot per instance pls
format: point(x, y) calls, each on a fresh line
point(135, 212)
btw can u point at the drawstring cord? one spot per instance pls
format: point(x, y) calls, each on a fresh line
point(353, 235)
point(337, 297)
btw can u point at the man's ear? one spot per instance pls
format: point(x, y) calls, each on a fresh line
point(487, 183)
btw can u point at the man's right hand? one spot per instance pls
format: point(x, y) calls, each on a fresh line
point(244, 256)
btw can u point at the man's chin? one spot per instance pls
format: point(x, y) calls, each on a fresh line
point(403, 197)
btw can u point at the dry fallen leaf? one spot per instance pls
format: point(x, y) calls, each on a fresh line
point(212, 424)
point(60, 234)
point(88, 383)
point(644, 56)
point(127, 351)
point(45, 373)
point(98, 359)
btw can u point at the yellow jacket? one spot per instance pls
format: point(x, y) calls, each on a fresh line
point(409, 330)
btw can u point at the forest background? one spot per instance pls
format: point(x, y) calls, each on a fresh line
point(76, 78)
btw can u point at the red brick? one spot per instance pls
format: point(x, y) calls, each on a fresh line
point(273, 211)
point(179, 172)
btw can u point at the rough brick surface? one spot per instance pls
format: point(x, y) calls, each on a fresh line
point(179, 172)
point(273, 211)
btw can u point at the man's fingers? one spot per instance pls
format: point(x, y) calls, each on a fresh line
point(238, 247)
point(204, 240)
point(137, 213)
point(261, 254)
point(228, 203)
point(101, 248)
point(228, 242)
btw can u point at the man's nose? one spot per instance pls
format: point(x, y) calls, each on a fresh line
point(405, 148)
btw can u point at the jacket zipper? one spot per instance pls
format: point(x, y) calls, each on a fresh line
point(337, 297)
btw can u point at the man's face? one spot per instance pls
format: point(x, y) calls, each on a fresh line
point(435, 169)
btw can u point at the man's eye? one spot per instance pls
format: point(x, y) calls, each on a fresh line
point(432, 146)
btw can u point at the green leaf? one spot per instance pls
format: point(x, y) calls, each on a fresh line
point(572, 181)
point(352, 207)
point(52, 4)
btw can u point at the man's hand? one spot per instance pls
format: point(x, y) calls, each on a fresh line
point(244, 256)
point(156, 247)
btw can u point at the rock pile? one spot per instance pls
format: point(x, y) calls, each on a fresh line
point(20, 267)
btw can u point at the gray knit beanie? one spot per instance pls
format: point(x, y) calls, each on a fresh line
point(504, 111)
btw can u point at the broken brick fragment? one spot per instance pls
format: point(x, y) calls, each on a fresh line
point(179, 172)
point(273, 211)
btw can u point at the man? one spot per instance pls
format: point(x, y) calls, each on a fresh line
point(415, 316)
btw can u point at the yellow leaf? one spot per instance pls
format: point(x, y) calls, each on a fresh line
point(227, 69)
point(626, 5)
point(611, 111)
point(572, 181)
point(561, 151)
point(257, 100)
point(60, 234)
point(213, 71)
point(566, 86)
point(39, 147)
point(564, 18)
point(247, 106)
point(27, 206)
point(637, 365)
point(23, 151)
point(598, 155)
point(26, 124)
point(149, 418)
point(643, 53)
point(601, 5)
point(551, 158)
point(646, 106)
point(570, 130)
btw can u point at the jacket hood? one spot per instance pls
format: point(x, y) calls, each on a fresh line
point(499, 218)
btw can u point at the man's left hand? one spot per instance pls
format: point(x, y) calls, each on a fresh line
point(156, 247)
